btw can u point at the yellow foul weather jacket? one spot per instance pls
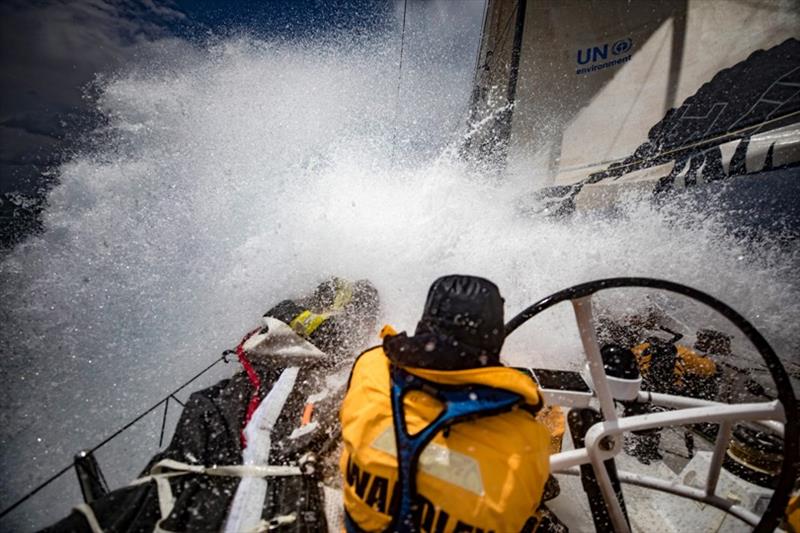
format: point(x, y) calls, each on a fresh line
point(484, 475)
point(688, 364)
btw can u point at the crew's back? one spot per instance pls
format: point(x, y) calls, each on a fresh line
point(486, 463)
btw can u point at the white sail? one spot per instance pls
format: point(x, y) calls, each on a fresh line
point(565, 89)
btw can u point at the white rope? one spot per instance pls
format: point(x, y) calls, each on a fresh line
point(166, 501)
point(166, 469)
point(273, 523)
point(88, 514)
point(178, 468)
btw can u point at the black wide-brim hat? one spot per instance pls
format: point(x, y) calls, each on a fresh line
point(461, 327)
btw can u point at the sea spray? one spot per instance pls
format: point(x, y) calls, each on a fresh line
point(246, 171)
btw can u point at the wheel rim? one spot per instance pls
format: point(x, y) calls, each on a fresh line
point(791, 441)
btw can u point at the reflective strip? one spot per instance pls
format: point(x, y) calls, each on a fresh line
point(307, 322)
point(440, 462)
point(88, 514)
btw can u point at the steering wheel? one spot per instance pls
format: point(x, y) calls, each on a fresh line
point(784, 409)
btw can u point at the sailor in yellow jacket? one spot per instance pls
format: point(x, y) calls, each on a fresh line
point(677, 369)
point(486, 470)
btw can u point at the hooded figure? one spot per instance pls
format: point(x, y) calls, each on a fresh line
point(485, 471)
point(276, 411)
point(461, 327)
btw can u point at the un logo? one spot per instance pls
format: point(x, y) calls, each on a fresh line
point(622, 46)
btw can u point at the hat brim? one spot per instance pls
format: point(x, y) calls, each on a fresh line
point(436, 351)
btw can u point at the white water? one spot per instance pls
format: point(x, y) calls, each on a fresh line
point(236, 175)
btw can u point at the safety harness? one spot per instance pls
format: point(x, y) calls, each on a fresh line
point(460, 404)
point(307, 322)
point(254, 379)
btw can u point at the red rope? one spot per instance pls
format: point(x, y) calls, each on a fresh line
point(252, 375)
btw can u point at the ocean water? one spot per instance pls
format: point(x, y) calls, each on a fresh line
point(230, 175)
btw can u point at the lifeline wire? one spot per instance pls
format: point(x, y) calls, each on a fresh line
point(114, 435)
